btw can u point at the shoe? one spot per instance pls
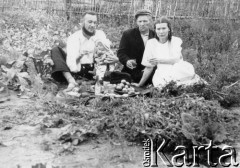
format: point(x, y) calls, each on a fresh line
point(4, 93)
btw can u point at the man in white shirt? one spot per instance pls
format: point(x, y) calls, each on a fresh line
point(80, 49)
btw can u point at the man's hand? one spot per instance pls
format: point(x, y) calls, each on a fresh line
point(84, 52)
point(93, 72)
point(131, 64)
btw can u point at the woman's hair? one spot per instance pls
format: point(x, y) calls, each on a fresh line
point(164, 20)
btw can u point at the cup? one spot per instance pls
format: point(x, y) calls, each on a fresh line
point(134, 64)
point(111, 88)
point(106, 86)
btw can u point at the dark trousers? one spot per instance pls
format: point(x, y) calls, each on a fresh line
point(59, 59)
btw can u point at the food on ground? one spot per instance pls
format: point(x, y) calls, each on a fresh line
point(125, 87)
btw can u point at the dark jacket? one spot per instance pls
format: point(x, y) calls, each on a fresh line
point(132, 47)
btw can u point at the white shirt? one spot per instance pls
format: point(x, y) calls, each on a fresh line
point(77, 43)
point(180, 71)
point(145, 39)
point(167, 50)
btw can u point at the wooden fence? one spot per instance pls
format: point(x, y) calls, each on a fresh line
point(211, 9)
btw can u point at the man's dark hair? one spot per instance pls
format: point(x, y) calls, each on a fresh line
point(164, 20)
point(90, 13)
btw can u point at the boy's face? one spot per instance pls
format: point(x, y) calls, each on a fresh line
point(100, 47)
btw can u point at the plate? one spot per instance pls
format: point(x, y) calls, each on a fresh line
point(133, 94)
point(119, 92)
point(129, 95)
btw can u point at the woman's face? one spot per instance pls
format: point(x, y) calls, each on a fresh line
point(162, 31)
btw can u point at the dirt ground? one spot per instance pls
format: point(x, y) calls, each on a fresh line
point(25, 145)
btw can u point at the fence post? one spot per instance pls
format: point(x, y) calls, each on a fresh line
point(67, 5)
point(142, 3)
point(129, 12)
point(120, 11)
point(210, 9)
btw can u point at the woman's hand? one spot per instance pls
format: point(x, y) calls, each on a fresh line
point(154, 61)
point(135, 84)
point(146, 74)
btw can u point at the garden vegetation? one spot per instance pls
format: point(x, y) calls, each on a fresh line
point(187, 115)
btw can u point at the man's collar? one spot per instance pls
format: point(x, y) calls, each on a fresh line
point(86, 33)
point(145, 34)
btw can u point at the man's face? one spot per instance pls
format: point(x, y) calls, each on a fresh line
point(90, 22)
point(143, 23)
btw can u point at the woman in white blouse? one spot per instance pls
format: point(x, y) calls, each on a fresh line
point(164, 51)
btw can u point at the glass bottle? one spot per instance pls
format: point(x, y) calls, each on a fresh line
point(98, 86)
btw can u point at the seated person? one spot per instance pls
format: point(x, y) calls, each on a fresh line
point(165, 51)
point(133, 43)
point(78, 59)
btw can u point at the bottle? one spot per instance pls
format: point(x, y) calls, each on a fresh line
point(98, 86)
point(105, 87)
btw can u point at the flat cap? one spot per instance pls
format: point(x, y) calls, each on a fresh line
point(142, 12)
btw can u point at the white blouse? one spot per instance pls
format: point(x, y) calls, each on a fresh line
point(164, 51)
